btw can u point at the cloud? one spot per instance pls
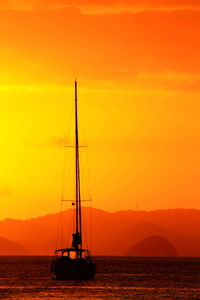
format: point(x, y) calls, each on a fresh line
point(134, 6)
point(169, 81)
point(36, 88)
point(103, 6)
point(107, 50)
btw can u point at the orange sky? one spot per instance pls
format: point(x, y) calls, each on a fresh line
point(138, 67)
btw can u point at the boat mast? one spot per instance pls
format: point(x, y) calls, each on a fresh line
point(78, 194)
point(76, 156)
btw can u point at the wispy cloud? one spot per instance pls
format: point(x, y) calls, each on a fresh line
point(32, 88)
point(101, 7)
point(166, 80)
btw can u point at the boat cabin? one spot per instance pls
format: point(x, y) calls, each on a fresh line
point(72, 253)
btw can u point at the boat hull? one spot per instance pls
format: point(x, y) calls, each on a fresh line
point(77, 269)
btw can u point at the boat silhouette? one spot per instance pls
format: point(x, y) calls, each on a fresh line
point(74, 263)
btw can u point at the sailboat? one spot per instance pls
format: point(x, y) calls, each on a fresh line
point(74, 263)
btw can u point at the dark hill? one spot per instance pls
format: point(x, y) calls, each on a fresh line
point(133, 234)
point(153, 246)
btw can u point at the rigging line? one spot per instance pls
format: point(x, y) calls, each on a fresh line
point(58, 231)
point(85, 232)
point(82, 127)
point(84, 183)
point(91, 204)
point(61, 225)
point(66, 136)
point(85, 142)
point(89, 176)
point(69, 227)
point(65, 160)
point(60, 216)
point(87, 182)
point(63, 175)
point(80, 157)
point(66, 178)
point(69, 124)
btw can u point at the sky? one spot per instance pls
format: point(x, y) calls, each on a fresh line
point(138, 70)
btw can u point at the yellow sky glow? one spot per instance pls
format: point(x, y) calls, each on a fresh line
point(138, 101)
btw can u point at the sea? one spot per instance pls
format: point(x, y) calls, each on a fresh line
point(29, 277)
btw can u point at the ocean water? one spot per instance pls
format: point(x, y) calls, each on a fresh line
point(28, 277)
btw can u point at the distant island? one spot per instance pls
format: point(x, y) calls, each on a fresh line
point(138, 233)
point(153, 246)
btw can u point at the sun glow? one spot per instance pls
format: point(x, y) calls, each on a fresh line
point(138, 92)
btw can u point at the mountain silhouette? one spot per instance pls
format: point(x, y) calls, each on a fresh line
point(112, 233)
point(11, 248)
point(135, 233)
point(153, 246)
